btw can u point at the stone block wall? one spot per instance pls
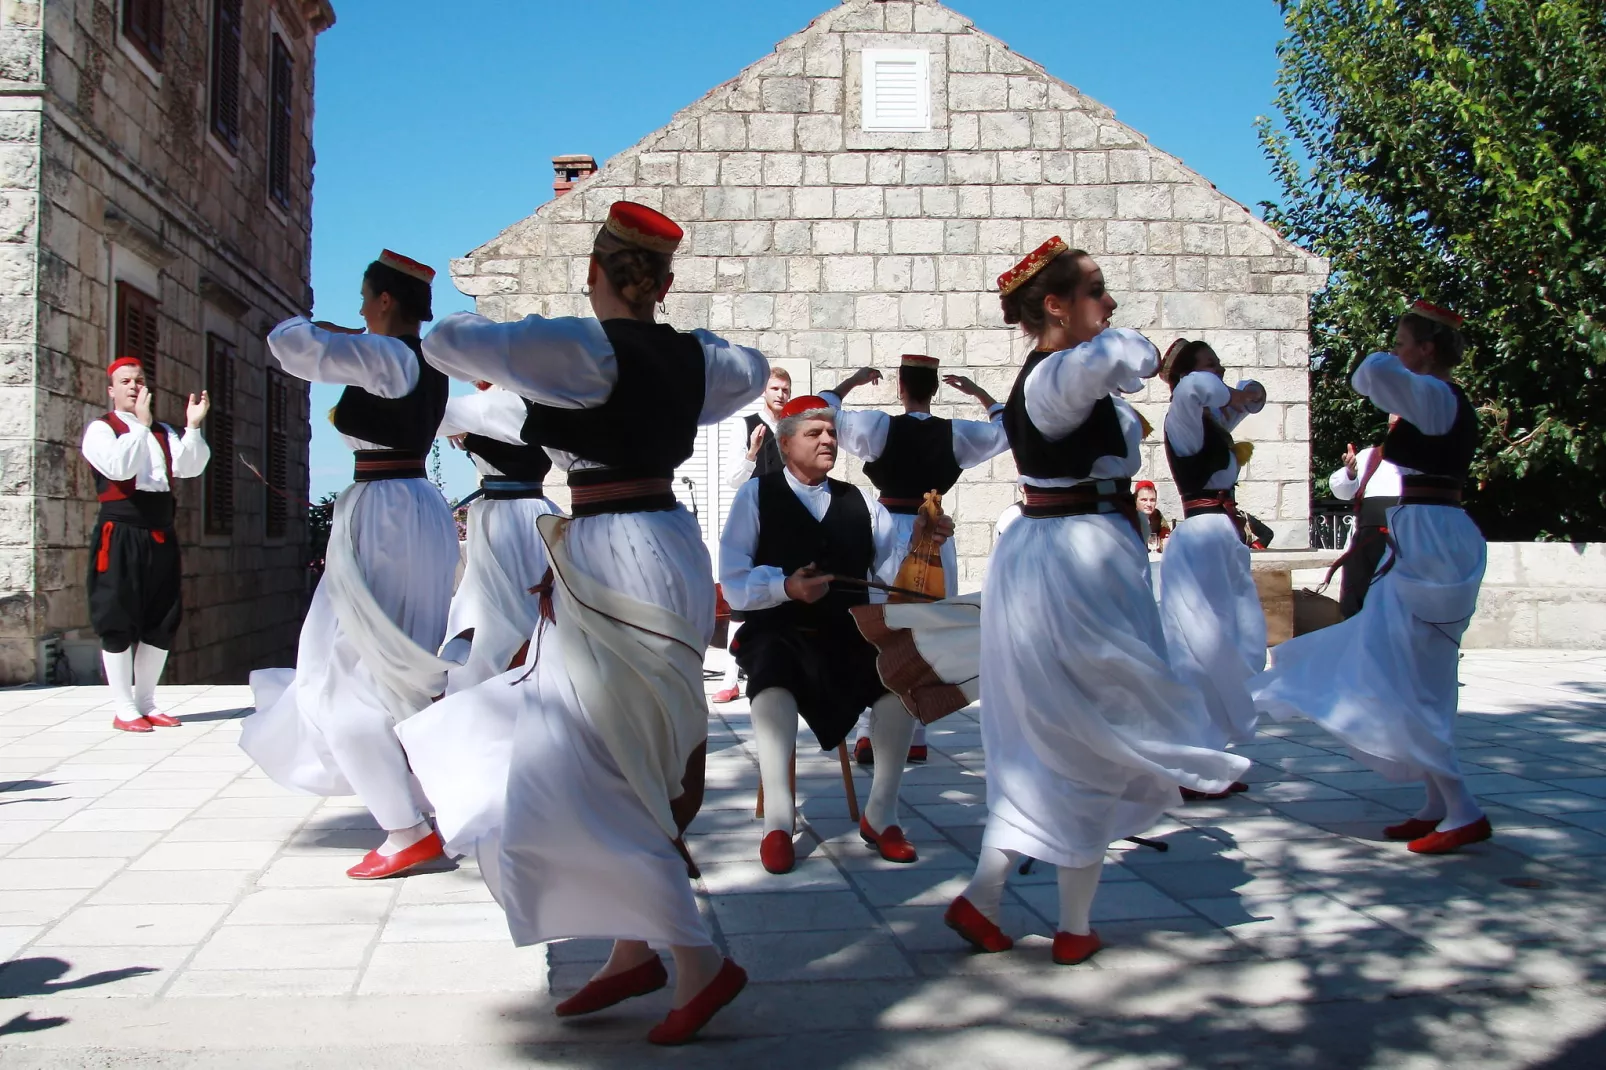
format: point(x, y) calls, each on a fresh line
point(1548, 595)
point(812, 238)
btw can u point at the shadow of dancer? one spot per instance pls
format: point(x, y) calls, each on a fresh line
point(38, 977)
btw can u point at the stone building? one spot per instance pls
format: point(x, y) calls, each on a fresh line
point(853, 196)
point(155, 201)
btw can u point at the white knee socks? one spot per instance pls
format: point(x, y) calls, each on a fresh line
point(890, 730)
point(1460, 808)
point(986, 889)
point(1433, 805)
point(148, 664)
point(775, 732)
point(401, 839)
point(120, 676)
point(1077, 889)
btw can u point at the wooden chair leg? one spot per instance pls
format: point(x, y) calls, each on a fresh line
point(847, 780)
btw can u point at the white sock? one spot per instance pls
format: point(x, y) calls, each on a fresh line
point(148, 664)
point(890, 729)
point(401, 839)
point(919, 738)
point(861, 730)
point(1460, 808)
point(986, 889)
point(775, 731)
point(1077, 889)
point(1433, 805)
point(120, 676)
point(732, 671)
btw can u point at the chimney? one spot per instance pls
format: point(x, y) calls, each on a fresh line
point(569, 170)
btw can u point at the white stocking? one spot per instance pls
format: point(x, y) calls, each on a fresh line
point(890, 729)
point(148, 664)
point(733, 674)
point(986, 889)
point(1460, 808)
point(919, 738)
point(1077, 889)
point(861, 730)
point(1433, 806)
point(120, 676)
point(401, 839)
point(775, 732)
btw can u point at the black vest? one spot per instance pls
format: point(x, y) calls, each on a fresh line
point(405, 423)
point(648, 426)
point(527, 464)
point(789, 537)
point(1447, 456)
point(918, 457)
point(769, 451)
point(1071, 457)
point(1192, 473)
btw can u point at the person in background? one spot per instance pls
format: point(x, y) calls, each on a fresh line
point(1155, 530)
point(1372, 486)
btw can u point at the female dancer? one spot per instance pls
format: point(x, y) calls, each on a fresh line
point(1384, 681)
point(1088, 734)
point(573, 785)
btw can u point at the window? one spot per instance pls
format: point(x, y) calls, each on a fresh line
point(280, 113)
point(142, 26)
point(137, 315)
point(275, 452)
point(220, 436)
point(897, 90)
point(225, 102)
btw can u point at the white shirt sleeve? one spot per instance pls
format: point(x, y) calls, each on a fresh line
point(1062, 390)
point(862, 432)
point(190, 452)
point(117, 456)
point(385, 367)
point(493, 413)
point(1196, 394)
point(976, 442)
point(733, 375)
point(1342, 484)
point(887, 544)
point(747, 586)
point(567, 362)
point(1427, 402)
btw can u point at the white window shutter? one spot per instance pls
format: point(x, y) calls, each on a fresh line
point(896, 90)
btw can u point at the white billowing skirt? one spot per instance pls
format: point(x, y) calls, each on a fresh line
point(1215, 628)
point(519, 775)
point(505, 559)
point(1385, 681)
point(1088, 733)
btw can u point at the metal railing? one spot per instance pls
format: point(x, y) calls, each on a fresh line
point(1332, 524)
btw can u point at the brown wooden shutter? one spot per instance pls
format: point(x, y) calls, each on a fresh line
point(142, 25)
point(281, 112)
point(137, 333)
point(220, 366)
point(276, 454)
point(225, 102)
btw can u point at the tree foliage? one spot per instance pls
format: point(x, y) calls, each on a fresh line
point(1456, 150)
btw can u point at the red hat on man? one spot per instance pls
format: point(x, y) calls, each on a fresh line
point(123, 362)
point(806, 403)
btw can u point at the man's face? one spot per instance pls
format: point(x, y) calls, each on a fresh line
point(777, 392)
point(124, 387)
point(811, 451)
point(1146, 501)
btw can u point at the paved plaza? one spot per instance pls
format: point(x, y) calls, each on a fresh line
point(162, 904)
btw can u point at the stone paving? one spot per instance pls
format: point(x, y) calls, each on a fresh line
point(162, 904)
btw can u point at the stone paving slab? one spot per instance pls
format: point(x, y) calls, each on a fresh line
point(148, 882)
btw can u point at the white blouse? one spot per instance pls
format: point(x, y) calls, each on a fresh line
point(1062, 390)
point(1424, 400)
point(863, 433)
point(493, 413)
point(1200, 396)
point(138, 456)
point(383, 366)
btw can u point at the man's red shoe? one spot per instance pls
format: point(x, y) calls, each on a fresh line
point(1071, 948)
point(1413, 829)
point(918, 753)
point(777, 852)
point(889, 841)
point(162, 720)
point(604, 992)
point(138, 724)
point(1439, 843)
point(863, 752)
point(729, 694)
point(963, 918)
point(376, 866)
point(684, 1022)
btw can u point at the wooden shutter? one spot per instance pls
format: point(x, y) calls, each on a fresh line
point(142, 25)
point(225, 102)
point(220, 365)
point(137, 334)
point(281, 112)
point(276, 453)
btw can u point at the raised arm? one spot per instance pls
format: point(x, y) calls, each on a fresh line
point(862, 432)
point(497, 414)
point(567, 363)
point(383, 366)
point(733, 375)
point(190, 452)
point(1062, 390)
point(1347, 480)
point(1427, 402)
point(1197, 393)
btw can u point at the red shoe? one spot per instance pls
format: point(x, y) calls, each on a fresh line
point(138, 724)
point(604, 992)
point(1069, 948)
point(1189, 795)
point(963, 918)
point(376, 866)
point(863, 753)
point(683, 1022)
point(729, 694)
point(1414, 829)
point(918, 753)
point(891, 844)
point(162, 720)
point(1238, 788)
point(777, 852)
point(1439, 843)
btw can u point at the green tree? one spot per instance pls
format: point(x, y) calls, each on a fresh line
point(1456, 150)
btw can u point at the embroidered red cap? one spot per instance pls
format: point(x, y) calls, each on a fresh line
point(920, 360)
point(806, 403)
point(123, 362)
point(643, 226)
point(1021, 273)
point(407, 265)
point(1433, 312)
point(1142, 484)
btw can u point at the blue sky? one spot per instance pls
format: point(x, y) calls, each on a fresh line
point(436, 125)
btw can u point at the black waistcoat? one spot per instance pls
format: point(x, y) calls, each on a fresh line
point(918, 457)
point(648, 426)
point(1192, 473)
point(1448, 456)
point(789, 537)
point(769, 451)
point(1070, 457)
point(405, 423)
point(527, 464)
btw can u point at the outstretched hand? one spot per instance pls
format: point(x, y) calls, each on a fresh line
point(142, 405)
point(966, 385)
point(195, 411)
point(754, 441)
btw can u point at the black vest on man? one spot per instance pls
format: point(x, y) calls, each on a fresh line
point(1071, 457)
point(813, 650)
point(769, 451)
point(1447, 456)
point(1193, 472)
point(407, 423)
point(918, 457)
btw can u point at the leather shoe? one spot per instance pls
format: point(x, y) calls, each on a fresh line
point(777, 853)
point(684, 1022)
point(1238, 787)
point(1190, 795)
point(918, 753)
point(963, 918)
point(138, 724)
point(604, 992)
point(376, 866)
point(863, 752)
point(162, 720)
point(1070, 948)
point(1439, 843)
point(890, 842)
point(1413, 829)
point(729, 694)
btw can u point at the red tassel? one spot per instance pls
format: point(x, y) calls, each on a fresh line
point(544, 589)
point(103, 560)
point(159, 536)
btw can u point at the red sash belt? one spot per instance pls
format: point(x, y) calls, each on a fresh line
point(374, 465)
point(1222, 502)
point(1103, 496)
point(901, 505)
point(622, 496)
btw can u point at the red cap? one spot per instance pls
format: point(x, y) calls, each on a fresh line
point(1142, 484)
point(1453, 320)
point(407, 266)
point(643, 226)
point(920, 360)
point(806, 403)
point(1021, 273)
point(123, 362)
